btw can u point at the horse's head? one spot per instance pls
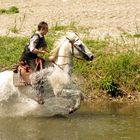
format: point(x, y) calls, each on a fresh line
point(78, 48)
point(67, 47)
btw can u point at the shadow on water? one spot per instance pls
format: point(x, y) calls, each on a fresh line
point(111, 121)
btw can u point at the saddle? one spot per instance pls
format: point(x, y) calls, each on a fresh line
point(22, 72)
point(21, 75)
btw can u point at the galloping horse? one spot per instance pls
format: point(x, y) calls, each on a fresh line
point(54, 81)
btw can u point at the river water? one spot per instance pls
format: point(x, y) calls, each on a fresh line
point(104, 122)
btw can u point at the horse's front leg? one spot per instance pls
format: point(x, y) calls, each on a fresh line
point(75, 95)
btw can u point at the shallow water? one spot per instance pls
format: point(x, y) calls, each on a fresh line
point(91, 122)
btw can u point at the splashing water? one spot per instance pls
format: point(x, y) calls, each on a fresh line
point(53, 84)
point(15, 103)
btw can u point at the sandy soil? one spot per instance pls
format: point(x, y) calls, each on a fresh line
point(101, 16)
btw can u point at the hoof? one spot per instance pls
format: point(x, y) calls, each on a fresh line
point(71, 110)
point(40, 101)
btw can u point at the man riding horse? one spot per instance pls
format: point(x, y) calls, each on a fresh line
point(30, 61)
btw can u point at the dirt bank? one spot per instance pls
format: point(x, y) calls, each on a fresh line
point(102, 16)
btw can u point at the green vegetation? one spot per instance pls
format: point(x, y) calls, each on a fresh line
point(11, 10)
point(16, 28)
point(111, 86)
point(115, 69)
point(10, 50)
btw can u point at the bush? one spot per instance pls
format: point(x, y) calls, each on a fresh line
point(11, 10)
point(111, 86)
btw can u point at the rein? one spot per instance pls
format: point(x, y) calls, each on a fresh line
point(73, 46)
point(60, 65)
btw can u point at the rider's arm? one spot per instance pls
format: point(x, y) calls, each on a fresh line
point(36, 51)
point(32, 46)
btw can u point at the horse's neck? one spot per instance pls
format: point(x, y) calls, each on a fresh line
point(64, 59)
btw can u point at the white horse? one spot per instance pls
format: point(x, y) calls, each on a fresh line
point(53, 83)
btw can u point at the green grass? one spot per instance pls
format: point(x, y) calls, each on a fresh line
point(10, 50)
point(14, 29)
point(71, 26)
point(10, 10)
point(112, 70)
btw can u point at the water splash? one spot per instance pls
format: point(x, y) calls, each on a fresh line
point(14, 102)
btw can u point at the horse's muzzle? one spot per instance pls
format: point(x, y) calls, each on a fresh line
point(89, 56)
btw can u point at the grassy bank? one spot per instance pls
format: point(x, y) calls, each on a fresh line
point(115, 70)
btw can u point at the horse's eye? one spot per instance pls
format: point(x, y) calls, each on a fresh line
point(81, 46)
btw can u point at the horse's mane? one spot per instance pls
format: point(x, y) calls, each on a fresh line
point(55, 50)
point(58, 43)
point(54, 54)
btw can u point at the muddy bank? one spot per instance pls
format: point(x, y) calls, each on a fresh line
point(102, 17)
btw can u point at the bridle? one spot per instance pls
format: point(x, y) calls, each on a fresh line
point(72, 47)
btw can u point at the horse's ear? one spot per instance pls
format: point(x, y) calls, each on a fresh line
point(71, 36)
point(76, 34)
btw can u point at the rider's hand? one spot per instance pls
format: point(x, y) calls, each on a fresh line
point(43, 52)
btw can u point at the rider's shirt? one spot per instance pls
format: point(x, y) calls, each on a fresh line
point(36, 41)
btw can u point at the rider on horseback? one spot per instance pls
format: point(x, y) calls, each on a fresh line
point(30, 56)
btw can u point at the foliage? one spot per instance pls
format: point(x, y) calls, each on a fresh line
point(111, 86)
point(113, 69)
point(10, 50)
point(15, 28)
point(11, 10)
